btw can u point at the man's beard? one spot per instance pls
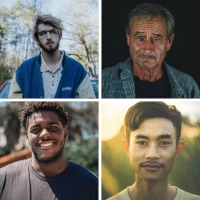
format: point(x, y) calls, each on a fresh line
point(49, 50)
point(53, 158)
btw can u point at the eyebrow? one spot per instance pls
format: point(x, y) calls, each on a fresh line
point(46, 30)
point(49, 123)
point(163, 136)
point(138, 32)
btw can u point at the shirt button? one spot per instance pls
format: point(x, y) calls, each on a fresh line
point(52, 84)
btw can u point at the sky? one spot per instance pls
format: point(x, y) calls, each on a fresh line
point(113, 112)
point(52, 6)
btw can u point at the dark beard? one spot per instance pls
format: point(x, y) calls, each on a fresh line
point(53, 158)
point(49, 50)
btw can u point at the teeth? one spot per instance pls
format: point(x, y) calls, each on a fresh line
point(46, 144)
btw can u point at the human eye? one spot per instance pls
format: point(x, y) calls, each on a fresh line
point(53, 128)
point(142, 143)
point(35, 130)
point(164, 143)
point(53, 31)
point(42, 33)
point(156, 38)
point(139, 37)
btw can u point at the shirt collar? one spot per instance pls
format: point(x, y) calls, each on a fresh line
point(44, 67)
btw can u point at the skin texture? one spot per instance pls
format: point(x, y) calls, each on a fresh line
point(47, 136)
point(148, 44)
point(152, 151)
point(50, 46)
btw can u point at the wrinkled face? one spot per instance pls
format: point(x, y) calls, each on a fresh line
point(46, 136)
point(48, 38)
point(152, 149)
point(148, 42)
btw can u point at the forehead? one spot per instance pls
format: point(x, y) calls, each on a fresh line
point(43, 117)
point(155, 127)
point(42, 27)
point(154, 24)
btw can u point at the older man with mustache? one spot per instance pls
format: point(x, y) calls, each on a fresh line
point(150, 34)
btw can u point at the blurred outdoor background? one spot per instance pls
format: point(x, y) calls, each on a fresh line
point(82, 144)
point(79, 41)
point(116, 171)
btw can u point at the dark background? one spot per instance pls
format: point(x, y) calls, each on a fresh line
point(184, 53)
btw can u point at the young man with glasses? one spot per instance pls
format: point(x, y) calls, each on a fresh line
point(51, 74)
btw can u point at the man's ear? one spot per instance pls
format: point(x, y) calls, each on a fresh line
point(179, 148)
point(170, 42)
point(125, 144)
point(127, 38)
point(66, 132)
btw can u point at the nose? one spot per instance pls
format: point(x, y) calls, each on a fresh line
point(48, 35)
point(152, 152)
point(148, 45)
point(45, 134)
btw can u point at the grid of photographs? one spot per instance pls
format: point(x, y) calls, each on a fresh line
point(99, 100)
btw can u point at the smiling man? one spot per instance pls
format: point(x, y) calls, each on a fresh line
point(150, 34)
point(153, 131)
point(51, 74)
point(47, 175)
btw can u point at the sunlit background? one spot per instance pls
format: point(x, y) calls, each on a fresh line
point(116, 171)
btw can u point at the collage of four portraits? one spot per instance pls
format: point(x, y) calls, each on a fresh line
point(99, 100)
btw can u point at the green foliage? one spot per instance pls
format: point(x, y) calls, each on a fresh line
point(85, 153)
point(4, 74)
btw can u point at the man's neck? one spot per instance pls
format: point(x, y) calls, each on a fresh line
point(52, 59)
point(150, 75)
point(49, 169)
point(158, 190)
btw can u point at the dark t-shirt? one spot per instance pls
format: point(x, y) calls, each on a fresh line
point(158, 89)
point(20, 181)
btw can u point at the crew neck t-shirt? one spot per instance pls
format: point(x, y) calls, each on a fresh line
point(158, 89)
point(20, 181)
point(181, 195)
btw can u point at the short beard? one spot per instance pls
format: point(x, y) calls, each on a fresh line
point(53, 158)
point(49, 50)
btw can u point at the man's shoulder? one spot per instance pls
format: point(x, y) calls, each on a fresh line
point(121, 195)
point(15, 170)
point(116, 69)
point(183, 195)
point(177, 73)
point(80, 172)
point(18, 166)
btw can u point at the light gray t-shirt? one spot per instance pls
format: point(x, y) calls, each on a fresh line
point(181, 195)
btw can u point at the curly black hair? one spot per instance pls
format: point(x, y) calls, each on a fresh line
point(33, 107)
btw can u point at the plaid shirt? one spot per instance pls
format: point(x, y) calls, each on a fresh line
point(118, 82)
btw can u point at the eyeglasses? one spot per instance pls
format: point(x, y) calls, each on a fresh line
point(52, 32)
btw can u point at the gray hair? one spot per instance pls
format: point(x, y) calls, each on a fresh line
point(49, 20)
point(149, 10)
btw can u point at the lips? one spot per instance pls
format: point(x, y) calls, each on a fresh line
point(49, 43)
point(151, 167)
